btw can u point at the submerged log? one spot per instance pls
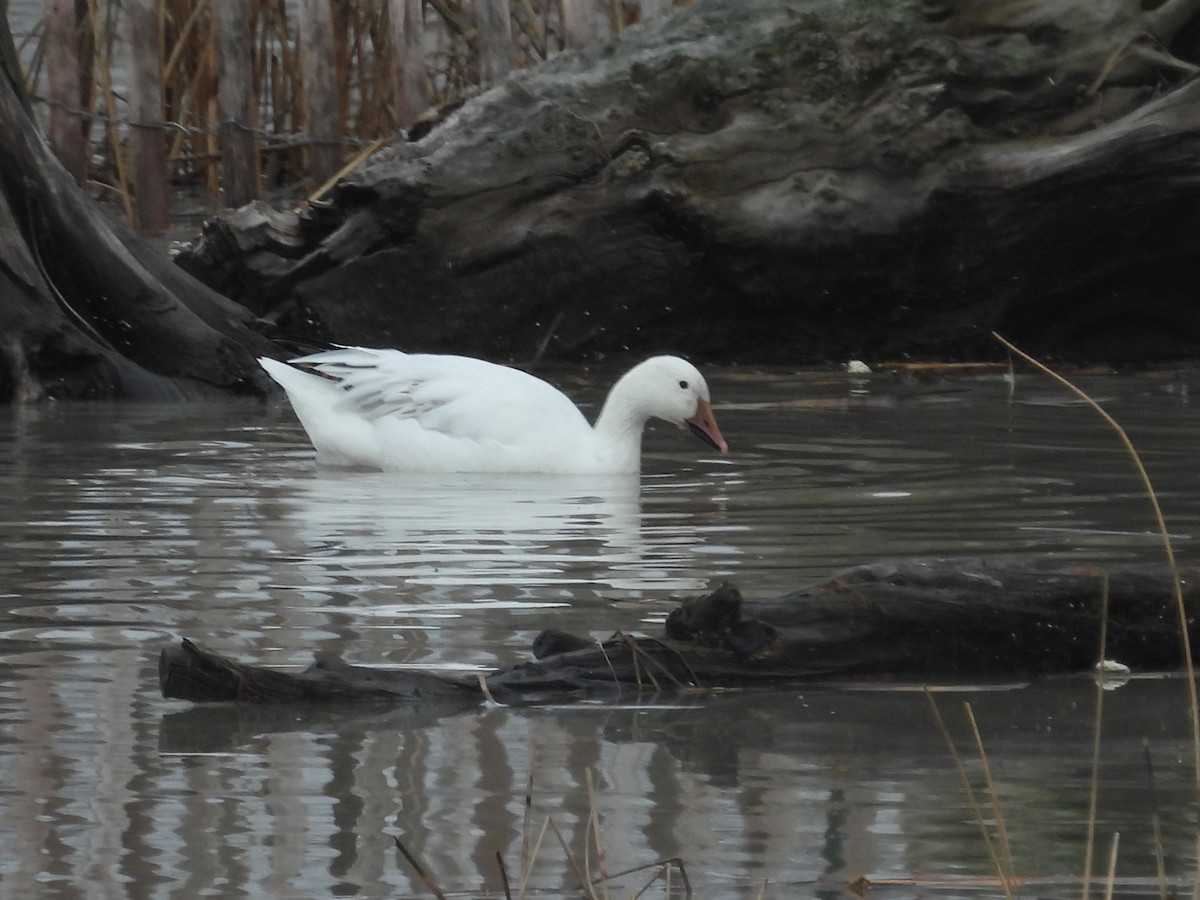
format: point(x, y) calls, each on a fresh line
point(192, 673)
point(766, 181)
point(910, 621)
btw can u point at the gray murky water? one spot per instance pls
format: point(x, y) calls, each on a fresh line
point(126, 528)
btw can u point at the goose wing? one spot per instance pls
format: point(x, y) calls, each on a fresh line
point(453, 396)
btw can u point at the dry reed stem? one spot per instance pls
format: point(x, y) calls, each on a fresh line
point(1008, 870)
point(664, 867)
point(1005, 881)
point(612, 670)
point(1112, 866)
point(616, 16)
point(526, 819)
point(1155, 824)
point(354, 163)
point(1094, 798)
point(181, 41)
point(1169, 549)
point(547, 824)
point(363, 60)
point(664, 873)
point(425, 877)
point(102, 38)
point(597, 836)
point(572, 861)
point(530, 25)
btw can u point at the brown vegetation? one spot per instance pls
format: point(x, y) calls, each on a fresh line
point(261, 71)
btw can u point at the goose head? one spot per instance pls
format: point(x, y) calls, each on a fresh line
point(671, 389)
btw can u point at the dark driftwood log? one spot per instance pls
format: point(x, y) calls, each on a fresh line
point(770, 181)
point(907, 621)
point(87, 309)
point(192, 673)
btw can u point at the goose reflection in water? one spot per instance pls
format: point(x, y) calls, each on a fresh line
point(469, 537)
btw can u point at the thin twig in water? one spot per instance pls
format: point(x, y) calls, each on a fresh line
point(970, 791)
point(537, 847)
point(1095, 790)
point(1007, 872)
point(503, 875)
point(635, 656)
point(596, 833)
point(1155, 824)
point(345, 170)
point(636, 646)
point(612, 670)
point(525, 823)
point(679, 657)
point(1168, 547)
point(571, 860)
point(420, 870)
point(664, 875)
point(1112, 866)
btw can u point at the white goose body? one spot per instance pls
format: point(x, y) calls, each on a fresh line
point(390, 410)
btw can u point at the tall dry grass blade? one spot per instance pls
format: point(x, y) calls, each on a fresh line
point(572, 861)
point(181, 41)
point(1008, 871)
point(616, 16)
point(969, 790)
point(664, 867)
point(345, 170)
point(1112, 866)
point(539, 36)
point(526, 820)
point(425, 877)
point(613, 669)
point(527, 872)
point(1155, 824)
point(1168, 548)
point(597, 836)
point(1094, 797)
point(102, 40)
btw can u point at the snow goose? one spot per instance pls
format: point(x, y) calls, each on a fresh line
point(386, 409)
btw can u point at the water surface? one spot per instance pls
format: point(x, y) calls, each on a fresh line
point(128, 527)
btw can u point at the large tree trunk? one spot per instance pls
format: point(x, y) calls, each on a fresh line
point(87, 309)
point(769, 181)
point(910, 621)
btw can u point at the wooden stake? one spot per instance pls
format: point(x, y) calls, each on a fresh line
point(147, 139)
point(62, 67)
point(317, 63)
point(577, 22)
point(103, 78)
point(407, 25)
point(494, 28)
point(652, 9)
point(236, 100)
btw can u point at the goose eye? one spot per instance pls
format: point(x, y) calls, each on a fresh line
point(683, 384)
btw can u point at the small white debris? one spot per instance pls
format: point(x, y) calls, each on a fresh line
point(1112, 675)
point(858, 367)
